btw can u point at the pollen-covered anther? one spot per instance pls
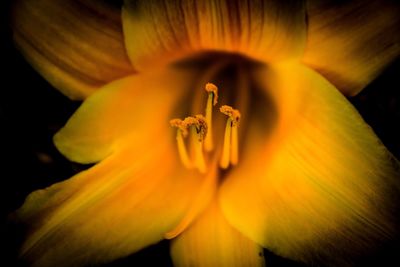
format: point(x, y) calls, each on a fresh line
point(181, 133)
point(230, 151)
point(178, 123)
point(212, 90)
point(199, 123)
point(212, 100)
point(232, 113)
point(198, 131)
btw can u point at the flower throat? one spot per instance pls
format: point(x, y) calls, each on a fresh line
point(198, 129)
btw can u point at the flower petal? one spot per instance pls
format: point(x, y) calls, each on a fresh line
point(138, 107)
point(211, 241)
point(126, 202)
point(204, 195)
point(320, 188)
point(171, 30)
point(76, 45)
point(351, 42)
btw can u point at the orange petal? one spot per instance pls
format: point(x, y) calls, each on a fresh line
point(211, 241)
point(321, 187)
point(126, 202)
point(134, 109)
point(158, 32)
point(351, 42)
point(76, 45)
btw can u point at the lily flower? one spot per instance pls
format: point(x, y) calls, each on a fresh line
point(221, 125)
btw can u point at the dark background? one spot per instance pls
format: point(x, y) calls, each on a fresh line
point(31, 111)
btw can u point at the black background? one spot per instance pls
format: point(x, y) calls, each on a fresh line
point(31, 111)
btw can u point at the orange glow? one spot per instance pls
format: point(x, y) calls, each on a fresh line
point(303, 175)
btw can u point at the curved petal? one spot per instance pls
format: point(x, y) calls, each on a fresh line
point(171, 30)
point(138, 192)
point(321, 188)
point(76, 45)
point(351, 42)
point(211, 241)
point(137, 107)
point(126, 202)
point(204, 195)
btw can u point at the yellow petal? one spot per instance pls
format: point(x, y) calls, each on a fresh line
point(171, 30)
point(126, 202)
point(76, 45)
point(321, 187)
point(210, 241)
point(201, 200)
point(135, 108)
point(351, 42)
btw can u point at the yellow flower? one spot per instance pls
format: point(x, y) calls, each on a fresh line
point(300, 174)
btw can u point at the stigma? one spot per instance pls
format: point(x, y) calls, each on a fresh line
point(194, 135)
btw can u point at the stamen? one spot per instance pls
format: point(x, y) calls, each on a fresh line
point(212, 100)
point(212, 88)
point(230, 151)
point(182, 132)
point(224, 163)
point(198, 132)
point(234, 144)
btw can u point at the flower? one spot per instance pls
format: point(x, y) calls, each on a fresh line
point(300, 174)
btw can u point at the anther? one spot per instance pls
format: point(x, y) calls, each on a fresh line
point(182, 132)
point(198, 132)
point(232, 113)
point(212, 100)
point(230, 149)
point(212, 89)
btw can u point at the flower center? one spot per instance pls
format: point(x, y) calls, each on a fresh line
point(199, 132)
